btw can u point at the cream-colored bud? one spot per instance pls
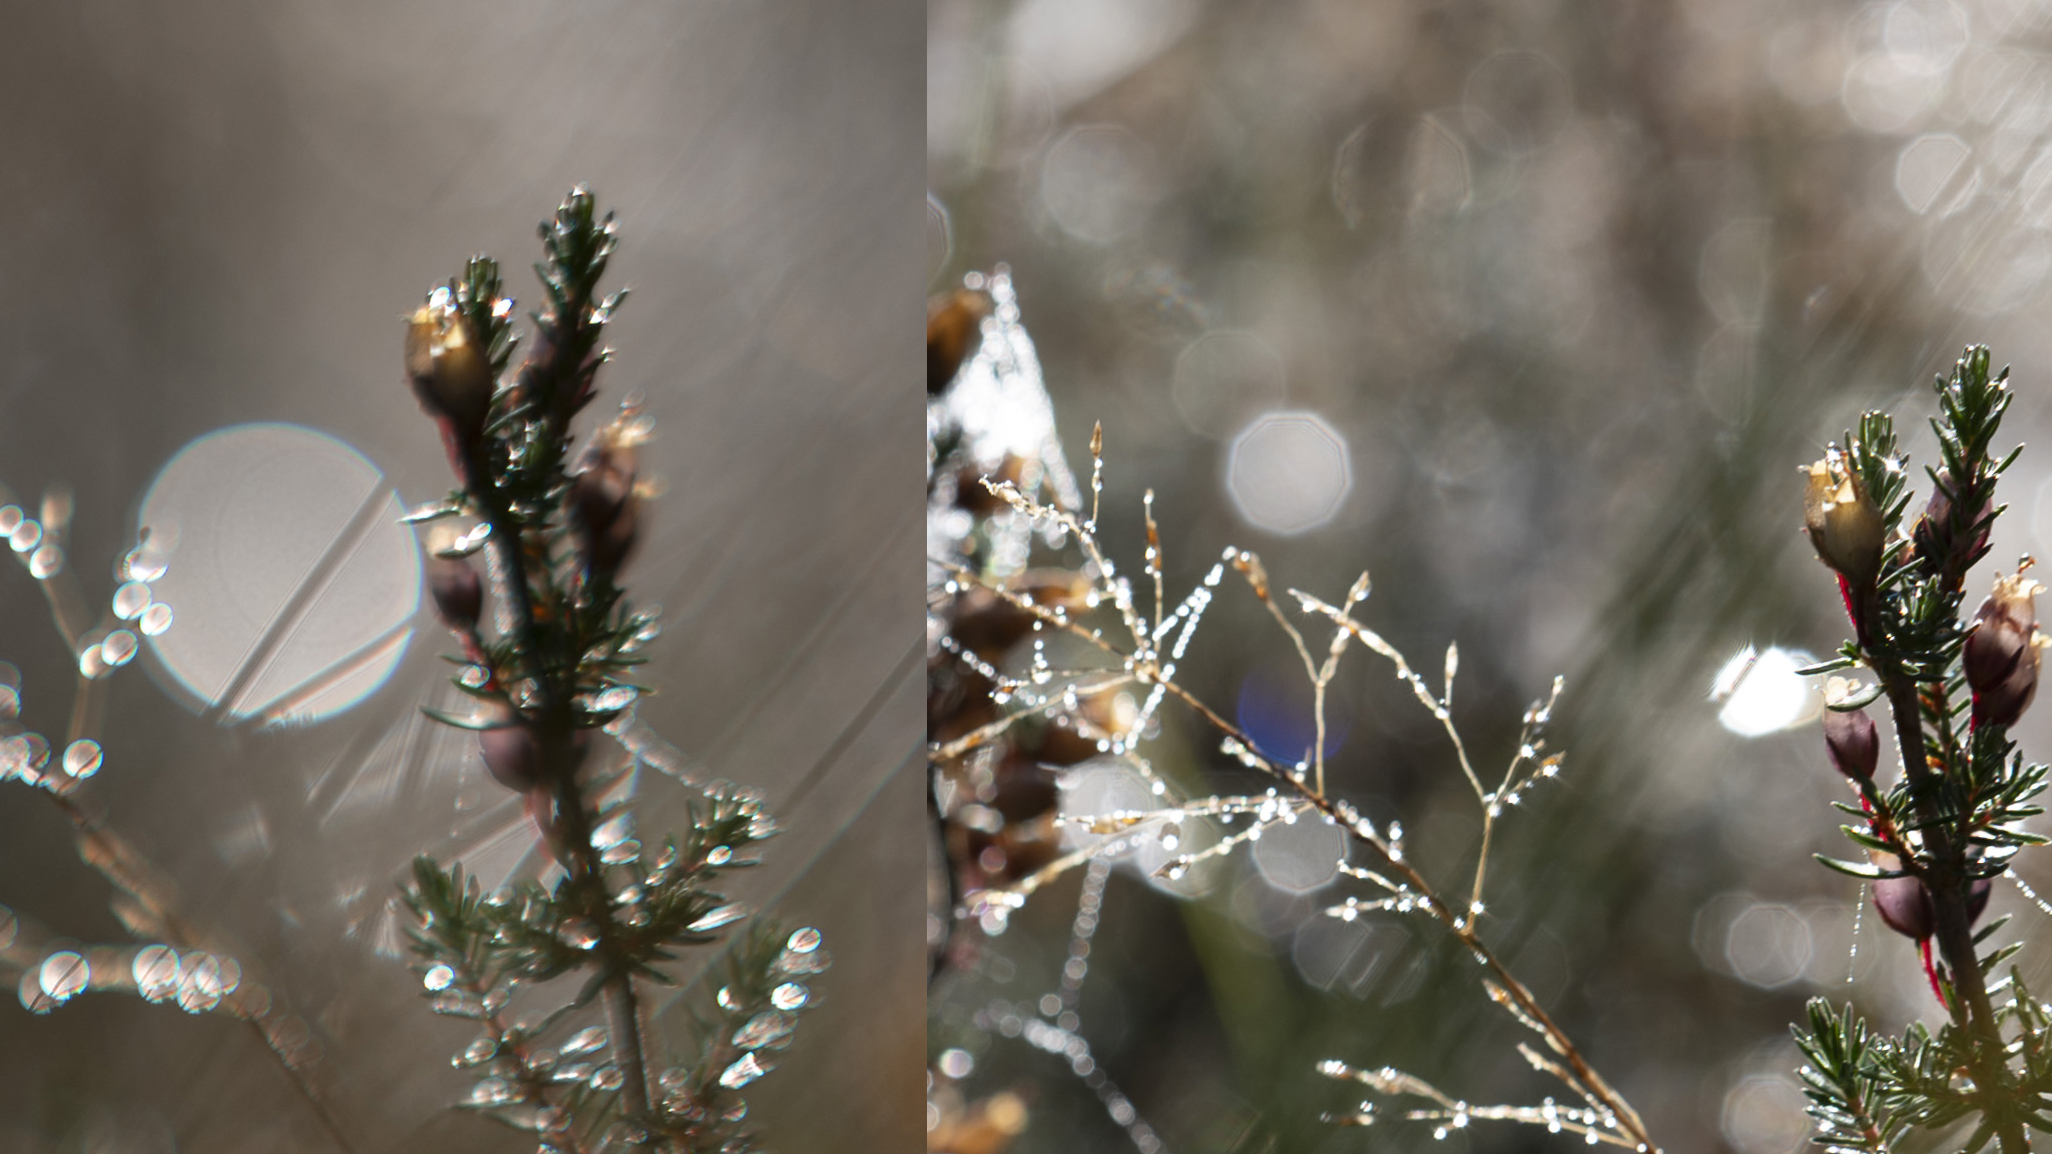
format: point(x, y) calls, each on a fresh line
point(450, 374)
point(1843, 522)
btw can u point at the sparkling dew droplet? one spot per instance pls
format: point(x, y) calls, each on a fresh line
point(10, 702)
point(131, 599)
point(141, 565)
point(589, 1040)
point(92, 663)
point(491, 1092)
point(608, 1078)
point(119, 647)
point(789, 996)
point(10, 519)
point(726, 998)
point(718, 916)
point(156, 619)
point(720, 855)
point(803, 941)
point(156, 972)
point(46, 562)
point(26, 536)
point(771, 1028)
point(82, 757)
point(438, 977)
point(747, 1070)
point(63, 974)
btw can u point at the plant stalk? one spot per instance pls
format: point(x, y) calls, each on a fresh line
point(1948, 884)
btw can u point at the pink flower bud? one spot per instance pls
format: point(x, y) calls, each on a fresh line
point(458, 594)
point(1853, 743)
point(1933, 535)
point(1905, 905)
point(2001, 656)
point(605, 510)
point(1843, 522)
point(512, 755)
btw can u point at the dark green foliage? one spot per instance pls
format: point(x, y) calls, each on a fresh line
point(1954, 817)
point(557, 669)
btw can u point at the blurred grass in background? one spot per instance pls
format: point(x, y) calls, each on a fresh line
point(1570, 291)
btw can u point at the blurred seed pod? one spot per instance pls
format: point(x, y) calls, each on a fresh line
point(954, 326)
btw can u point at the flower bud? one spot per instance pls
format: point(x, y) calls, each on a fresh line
point(512, 755)
point(2001, 655)
point(450, 373)
point(1843, 522)
point(1934, 531)
point(1853, 742)
point(605, 510)
point(1906, 906)
point(458, 594)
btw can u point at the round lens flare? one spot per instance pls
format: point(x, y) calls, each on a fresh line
point(294, 582)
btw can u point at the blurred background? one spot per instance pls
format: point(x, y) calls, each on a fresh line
point(218, 215)
point(1533, 311)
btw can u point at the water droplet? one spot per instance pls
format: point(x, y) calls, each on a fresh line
point(727, 999)
point(589, 1040)
point(490, 1092)
point(789, 996)
point(608, 1078)
point(200, 986)
point(63, 974)
point(10, 519)
point(812, 962)
point(479, 1050)
point(142, 565)
point(720, 855)
point(25, 537)
point(46, 562)
point(612, 700)
point(119, 647)
point(156, 619)
point(92, 664)
point(474, 676)
point(496, 999)
point(438, 977)
point(456, 1003)
point(156, 972)
point(579, 935)
point(10, 703)
point(771, 1028)
point(719, 916)
point(803, 941)
point(82, 757)
point(622, 853)
point(131, 599)
point(735, 1112)
point(613, 831)
point(747, 1070)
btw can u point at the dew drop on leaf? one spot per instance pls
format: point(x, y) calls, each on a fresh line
point(719, 916)
point(747, 1070)
point(82, 757)
point(156, 619)
point(438, 977)
point(131, 599)
point(789, 996)
point(589, 1040)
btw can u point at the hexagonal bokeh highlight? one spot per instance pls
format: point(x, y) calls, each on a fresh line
point(1288, 472)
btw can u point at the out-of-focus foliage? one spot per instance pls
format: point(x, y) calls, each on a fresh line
point(1534, 313)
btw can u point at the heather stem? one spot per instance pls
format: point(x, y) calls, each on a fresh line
point(1947, 882)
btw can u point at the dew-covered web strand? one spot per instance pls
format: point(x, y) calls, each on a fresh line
point(141, 883)
point(1142, 663)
